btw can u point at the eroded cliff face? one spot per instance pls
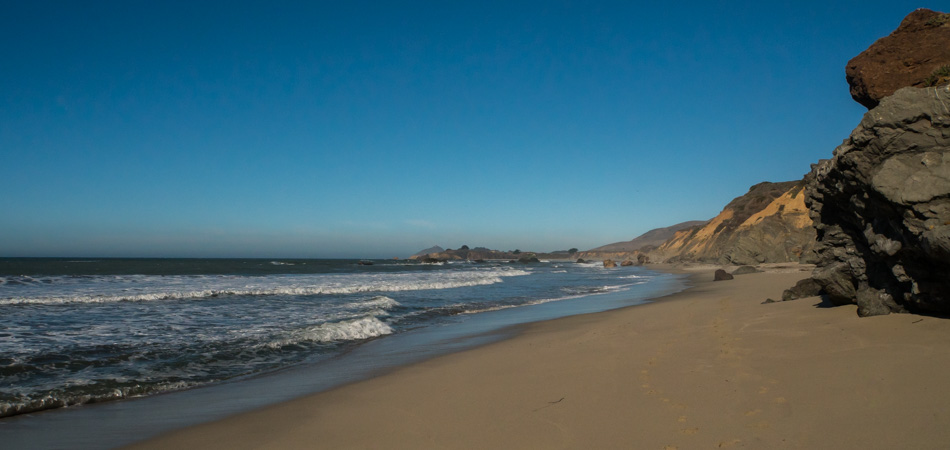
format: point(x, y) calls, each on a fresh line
point(770, 223)
point(882, 208)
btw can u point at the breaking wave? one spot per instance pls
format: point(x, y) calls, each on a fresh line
point(137, 288)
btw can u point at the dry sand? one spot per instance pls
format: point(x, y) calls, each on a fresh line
point(708, 368)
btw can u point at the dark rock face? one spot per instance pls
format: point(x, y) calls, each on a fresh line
point(528, 260)
point(907, 57)
point(722, 275)
point(626, 263)
point(881, 207)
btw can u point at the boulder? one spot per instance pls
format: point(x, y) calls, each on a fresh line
point(626, 263)
point(742, 270)
point(803, 289)
point(881, 207)
point(528, 260)
point(722, 275)
point(581, 261)
point(642, 259)
point(608, 263)
point(912, 55)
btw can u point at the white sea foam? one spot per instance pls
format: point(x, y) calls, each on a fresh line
point(349, 330)
point(380, 301)
point(105, 289)
point(604, 290)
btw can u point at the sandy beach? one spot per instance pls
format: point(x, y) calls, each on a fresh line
point(711, 367)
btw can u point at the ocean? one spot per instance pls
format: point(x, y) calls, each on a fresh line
point(81, 331)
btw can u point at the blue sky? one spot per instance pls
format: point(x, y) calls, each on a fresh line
point(334, 129)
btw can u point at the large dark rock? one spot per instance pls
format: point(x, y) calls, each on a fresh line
point(722, 275)
point(803, 289)
point(609, 263)
point(881, 207)
point(910, 56)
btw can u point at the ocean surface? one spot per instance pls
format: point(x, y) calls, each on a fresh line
point(81, 331)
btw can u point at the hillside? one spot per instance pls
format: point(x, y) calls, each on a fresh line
point(654, 238)
point(769, 223)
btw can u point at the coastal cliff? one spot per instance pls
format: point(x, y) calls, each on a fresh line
point(769, 223)
point(881, 204)
point(882, 208)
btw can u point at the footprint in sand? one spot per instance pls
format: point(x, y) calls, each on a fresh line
point(690, 431)
point(780, 400)
point(753, 412)
point(763, 390)
point(729, 443)
point(682, 419)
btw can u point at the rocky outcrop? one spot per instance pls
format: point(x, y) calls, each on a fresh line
point(770, 223)
point(423, 253)
point(881, 207)
point(609, 263)
point(910, 56)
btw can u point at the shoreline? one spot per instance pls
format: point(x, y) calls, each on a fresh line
point(707, 367)
point(112, 424)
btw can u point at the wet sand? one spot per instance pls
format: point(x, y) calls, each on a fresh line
point(710, 367)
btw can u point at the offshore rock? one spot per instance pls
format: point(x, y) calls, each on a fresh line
point(881, 207)
point(909, 56)
point(626, 263)
point(608, 263)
